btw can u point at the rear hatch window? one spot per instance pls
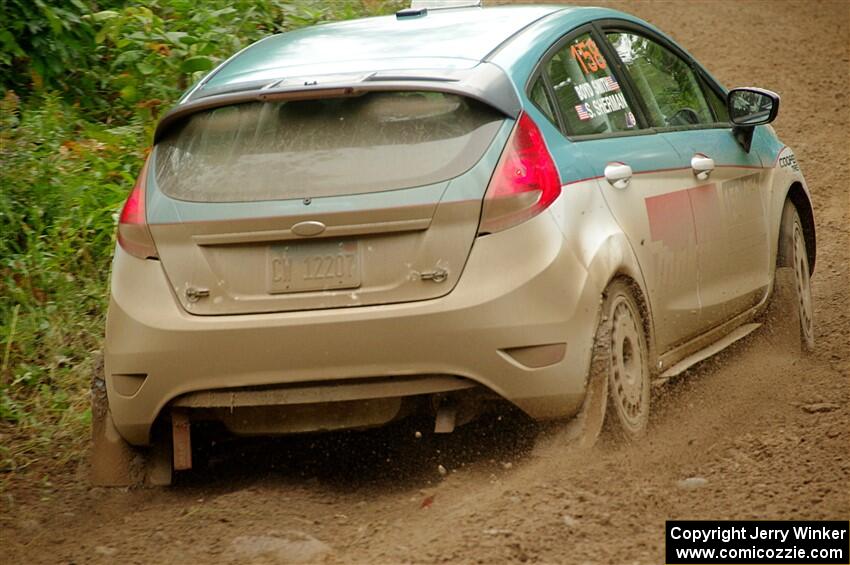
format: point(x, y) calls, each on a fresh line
point(392, 182)
point(375, 142)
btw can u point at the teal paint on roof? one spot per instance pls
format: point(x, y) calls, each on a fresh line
point(443, 39)
point(519, 56)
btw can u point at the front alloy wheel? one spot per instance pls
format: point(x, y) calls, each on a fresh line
point(793, 310)
point(803, 286)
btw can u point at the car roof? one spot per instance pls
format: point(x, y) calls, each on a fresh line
point(484, 53)
point(444, 39)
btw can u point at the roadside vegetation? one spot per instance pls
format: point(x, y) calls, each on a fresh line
point(82, 83)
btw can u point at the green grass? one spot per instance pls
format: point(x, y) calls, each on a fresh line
point(63, 180)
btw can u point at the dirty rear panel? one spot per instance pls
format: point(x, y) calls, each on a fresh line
point(280, 206)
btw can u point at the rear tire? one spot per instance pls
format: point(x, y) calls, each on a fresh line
point(628, 368)
point(791, 309)
point(618, 386)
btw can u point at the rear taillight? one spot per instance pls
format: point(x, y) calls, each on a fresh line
point(134, 237)
point(524, 183)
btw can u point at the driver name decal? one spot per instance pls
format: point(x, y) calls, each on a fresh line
point(603, 106)
point(598, 96)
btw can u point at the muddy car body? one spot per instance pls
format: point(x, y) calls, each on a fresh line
point(350, 222)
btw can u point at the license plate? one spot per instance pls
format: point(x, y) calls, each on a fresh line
point(315, 265)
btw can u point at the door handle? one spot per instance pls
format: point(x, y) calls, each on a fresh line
point(702, 166)
point(619, 175)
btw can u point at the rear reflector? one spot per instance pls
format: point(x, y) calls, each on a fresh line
point(134, 237)
point(524, 183)
point(536, 356)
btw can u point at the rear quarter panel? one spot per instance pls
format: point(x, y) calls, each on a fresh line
point(585, 221)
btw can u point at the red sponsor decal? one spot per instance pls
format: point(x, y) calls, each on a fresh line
point(705, 206)
point(674, 216)
point(670, 218)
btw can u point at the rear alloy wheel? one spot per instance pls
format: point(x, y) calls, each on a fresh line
point(617, 392)
point(792, 301)
point(628, 369)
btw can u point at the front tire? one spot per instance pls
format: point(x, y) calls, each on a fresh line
point(792, 300)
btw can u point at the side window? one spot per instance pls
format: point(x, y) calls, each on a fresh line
point(586, 91)
point(718, 104)
point(668, 86)
point(541, 100)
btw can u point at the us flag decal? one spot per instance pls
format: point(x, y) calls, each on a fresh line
point(582, 112)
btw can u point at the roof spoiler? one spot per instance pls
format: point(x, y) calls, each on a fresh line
point(486, 83)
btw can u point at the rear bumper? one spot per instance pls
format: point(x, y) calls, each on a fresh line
point(522, 287)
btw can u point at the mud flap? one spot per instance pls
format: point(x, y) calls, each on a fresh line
point(181, 440)
point(584, 429)
point(159, 466)
point(113, 461)
point(444, 423)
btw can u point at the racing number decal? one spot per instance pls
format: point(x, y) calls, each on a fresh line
point(588, 56)
point(584, 83)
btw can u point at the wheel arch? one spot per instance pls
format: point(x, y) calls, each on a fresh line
point(800, 199)
point(615, 260)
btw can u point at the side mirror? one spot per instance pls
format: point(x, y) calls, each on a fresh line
point(749, 107)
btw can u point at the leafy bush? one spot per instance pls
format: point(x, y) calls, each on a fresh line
point(114, 59)
point(38, 40)
point(63, 180)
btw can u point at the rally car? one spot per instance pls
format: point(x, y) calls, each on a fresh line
point(433, 211)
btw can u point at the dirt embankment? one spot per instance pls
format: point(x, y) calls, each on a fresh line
point(768, 432)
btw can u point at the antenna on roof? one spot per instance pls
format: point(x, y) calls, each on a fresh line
point(444, 4)
point(420, 8)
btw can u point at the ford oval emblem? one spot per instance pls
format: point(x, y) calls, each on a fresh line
point(308, 228)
